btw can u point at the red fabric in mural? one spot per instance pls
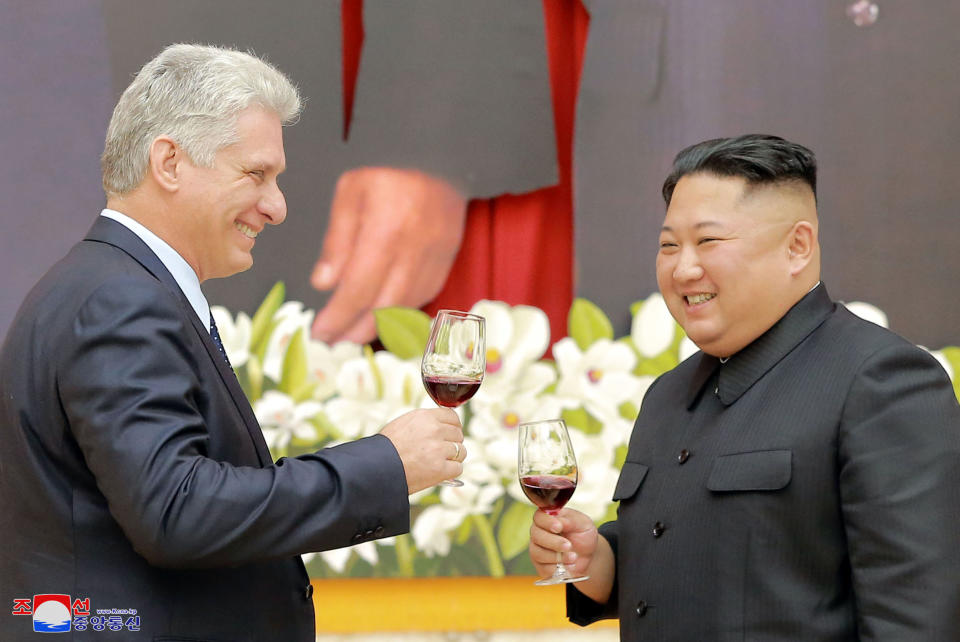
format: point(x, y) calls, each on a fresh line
point(516, 248)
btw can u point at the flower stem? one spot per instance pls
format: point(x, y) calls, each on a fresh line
point(404, 555)
point(494, 563)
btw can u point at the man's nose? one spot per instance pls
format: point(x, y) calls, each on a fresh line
point(273, 205)
point(688, 266)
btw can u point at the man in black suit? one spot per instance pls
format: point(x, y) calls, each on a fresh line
point(797, 478)
point(133, 473)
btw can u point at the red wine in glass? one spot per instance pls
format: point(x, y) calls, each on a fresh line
point(450, 391)
point(454, 361)
point(548, 492)
point(548, 476)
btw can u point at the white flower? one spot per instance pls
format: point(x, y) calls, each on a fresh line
point(687, 348)
point(481, 489)
point(324, 362)
point(597, 475)
point(289, 318)
point(337, 558)
point(516, 338)
point(370, 395)
point(652, 329)
point(494, 426)
point(599, 378)
point(234, 336)
point(282, 419)
point(431, 531)
point(616, 428)
point(869, 312)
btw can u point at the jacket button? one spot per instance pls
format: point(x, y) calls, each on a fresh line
point(308, 592)
point(683, 456)
point(641, 608)
point(357, 538)
point(658, 529)
point(378, 531)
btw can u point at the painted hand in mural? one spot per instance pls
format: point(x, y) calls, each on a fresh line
point(392, 239)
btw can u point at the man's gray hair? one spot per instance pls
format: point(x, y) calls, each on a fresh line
point(193, 94)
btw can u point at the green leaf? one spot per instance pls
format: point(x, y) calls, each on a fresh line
point(429, 500)
point(635, 307)
point(304, 391)
point(463, 532)
point(656, 366)
point(294, 373)
point(582, 420)
point(308, 444)
point(952, 354)
point(403, 331)
point(620, 456)
point(513, 533)
point(611, 513)
point(588, 323)
point(629, 411)
point(497, 509)
point(263, 319)
point(252, 378)
point(368, 354)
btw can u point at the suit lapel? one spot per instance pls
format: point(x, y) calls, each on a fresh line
point(108, 231)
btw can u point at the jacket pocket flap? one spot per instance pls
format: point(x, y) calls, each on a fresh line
point(631, 476)
point(759, 470)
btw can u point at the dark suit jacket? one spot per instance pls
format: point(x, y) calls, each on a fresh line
point(804, 490)
point(133, 472)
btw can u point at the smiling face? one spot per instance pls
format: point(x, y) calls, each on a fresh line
point(221, 209)
point(734, 258)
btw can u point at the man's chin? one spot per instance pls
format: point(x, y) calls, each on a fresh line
point(231, 270)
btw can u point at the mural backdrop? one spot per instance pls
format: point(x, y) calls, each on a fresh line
point(557, 121)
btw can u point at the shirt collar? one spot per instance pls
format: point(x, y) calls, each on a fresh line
point(178, 267)
point(745, 368)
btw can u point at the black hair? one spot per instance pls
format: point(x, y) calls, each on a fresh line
point(759, 158)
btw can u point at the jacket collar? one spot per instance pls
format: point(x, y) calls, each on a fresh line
point(108, 231)
point(746, 367)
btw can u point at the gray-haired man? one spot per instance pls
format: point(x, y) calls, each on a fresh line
point(133, 475)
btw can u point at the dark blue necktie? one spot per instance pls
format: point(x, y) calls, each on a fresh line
point(215, 335)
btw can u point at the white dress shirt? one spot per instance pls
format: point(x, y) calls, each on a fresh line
point(182, 273)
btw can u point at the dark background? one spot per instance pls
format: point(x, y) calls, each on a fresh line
point(879, 105)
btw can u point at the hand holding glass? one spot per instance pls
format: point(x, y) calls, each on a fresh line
point(548, 477)
point(454, 361)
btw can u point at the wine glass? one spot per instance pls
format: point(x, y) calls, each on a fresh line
point(454, 361)
point(548, 476)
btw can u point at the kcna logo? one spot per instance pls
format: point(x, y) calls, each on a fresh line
point(52, 613)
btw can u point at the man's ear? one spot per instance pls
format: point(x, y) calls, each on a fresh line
point(801, 245)
point(166, 159)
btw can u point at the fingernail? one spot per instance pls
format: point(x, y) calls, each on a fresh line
point(556, 528)
point(322, 275)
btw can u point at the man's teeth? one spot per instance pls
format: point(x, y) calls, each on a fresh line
point(699, 298)
point(245, 229)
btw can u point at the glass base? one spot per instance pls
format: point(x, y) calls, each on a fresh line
point(451, 482)
point(561, 576)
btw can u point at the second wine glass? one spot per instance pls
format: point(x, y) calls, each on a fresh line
point(548, 476)
point(454, 360)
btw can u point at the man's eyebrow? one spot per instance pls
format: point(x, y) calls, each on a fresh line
point(701, 224)
point(266, 165)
